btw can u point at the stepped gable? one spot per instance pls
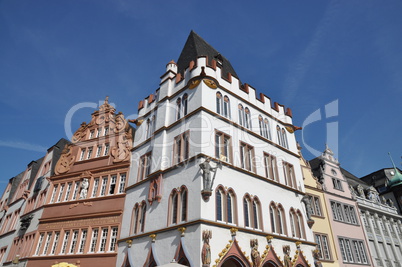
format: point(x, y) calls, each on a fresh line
point(197, 47)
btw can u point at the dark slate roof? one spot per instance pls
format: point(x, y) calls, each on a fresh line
point(35, 165)
point(196, 47)
point(315, 164)
point(353, 180)
point(14, 186)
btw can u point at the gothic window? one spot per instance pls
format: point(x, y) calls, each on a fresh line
point(296, 223)
point(284, 139)
point(223, 147)
point(184, 104)
point(178, 108)
point(144, 167)
point(246, 210)
point(242, 115)
point(247, 156)
point(181, 147)
point(226, 107)
point(219, 103)
point(225, 205)
point(271, 169)
point(252, 212)
point(289, 174)
point(138, 218)
point(279, 135)
point(247, 118)
point(230, 206)
point(265, 130)
point(272, 215)
point(218, 198)
point(178, 211)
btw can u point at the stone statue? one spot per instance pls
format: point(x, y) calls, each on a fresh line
point(372, 194)
point(287, 260)
point(352, 191)
point(361, 191)
point(316, 256)
point(206, 249)
point(84, 188)
point(390, 203)
point(307, 202)
point(255, 254)
point(206, 175)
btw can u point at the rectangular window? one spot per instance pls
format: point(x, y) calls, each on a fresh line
point(74, 241)
point(122, 183)
point(94, 240)
point(247, 156)
point(181, 147)
point(95, 189)
point(271, 167)
point(337, 184)
point(104, 184)
point(76, 188)
point(65, 242)
point(144, 166)
point(98, 132)
point(83, 241)
point(48, 238)
point(99, 151)
point(106, 132)
point(315, 205)
point(106, 152)
point(91, 134)
point(61, 192)
point(353, 251)
point(344, 213)
point(112, 185)
point(69, 186)
point(102, 246)
point(39, 243)
point(89, 155)
point(223, 147)
point(55, 243)
point(82, 156)
point(54, 194)
point(113, 239)
point(289, 173)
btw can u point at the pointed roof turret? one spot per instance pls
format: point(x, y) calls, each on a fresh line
point(196, 47)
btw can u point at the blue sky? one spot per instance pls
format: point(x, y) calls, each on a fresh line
point(338, 60)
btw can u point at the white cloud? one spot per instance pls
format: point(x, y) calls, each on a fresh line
point(22, 145)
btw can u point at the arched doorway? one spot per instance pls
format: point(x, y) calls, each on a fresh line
point(232, 262)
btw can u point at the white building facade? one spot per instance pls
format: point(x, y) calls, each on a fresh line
point(215, 176)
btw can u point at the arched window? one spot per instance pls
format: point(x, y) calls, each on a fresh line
point(261, 125)
point(241, 115)
point(247, 121)
point(230, 206)
point(219, 206)
point(185, 98)
point(256, 213)
point(246, 210)
point(178, 206)
point(184, 204)
point(178, 107)
point(281, 220)
point(279, 135)
point(272, 215)
point(142, 219)
point(267, 129)
point(138, 218)
point(284, 138)
point(302, 233)
point(219, 103)
point(292, 217)
point(226, 107)
point(135, 218)
point(174, 206)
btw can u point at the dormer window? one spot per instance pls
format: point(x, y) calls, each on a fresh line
point(219, 59)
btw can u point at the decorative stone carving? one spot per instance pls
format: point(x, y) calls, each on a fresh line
point(372, 194)
point(121, 152)
point(352, 191)
point(360, 191)
point(287, 260)
point(66, 160)
point(255, 254)
point(80, 133)
point(206, 248)
point(316, 256)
